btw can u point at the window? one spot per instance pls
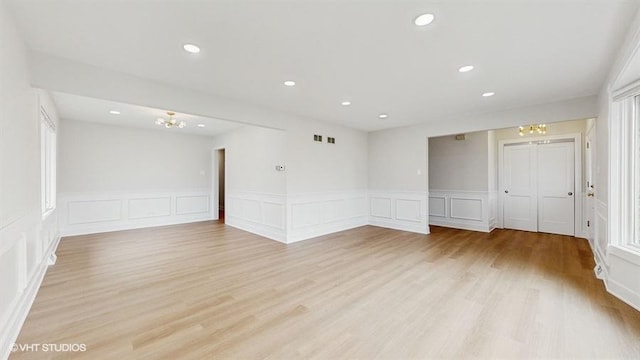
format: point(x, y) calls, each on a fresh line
point(47, 163)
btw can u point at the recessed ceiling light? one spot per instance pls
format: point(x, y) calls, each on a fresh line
point(200, 125)
point(290, 83)
point(424, 19)
point(345, 103)
point(487, 94)
point(383, 116)
point(194, 49)
point(114, 112)
point(466, 68)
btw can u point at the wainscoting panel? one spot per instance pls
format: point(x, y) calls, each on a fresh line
point(27, 242)
point(315, 214)
point(466, 209)
point(622, 278)
point(256, 212)
point(151, 207)
point(408, 210)
point(194, 204)
point(437, 206)
point(273, 214)
point(83, 212)
point(469, 210)
point(401, 210)
point(88, 213)
point(381, 207)
point(305, 214)
point(601, 232)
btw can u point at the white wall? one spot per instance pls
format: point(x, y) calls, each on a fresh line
point(319, 166)
point(619, 267)
point(255, 191)
point(459, 176)
point(323, 188)
point(396, 154)
point(102, 158)
point(326, 183)
point(113, 178)
point(398, 179)
point(26, 240)
point(459, 165)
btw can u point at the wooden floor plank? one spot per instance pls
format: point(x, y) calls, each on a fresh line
point(207, 290)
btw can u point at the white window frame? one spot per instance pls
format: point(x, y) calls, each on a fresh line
point(48, 144)
point(624, 163)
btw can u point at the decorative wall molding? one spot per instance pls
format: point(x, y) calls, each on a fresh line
point(26, 244)
point(258, 213)
point(469, 210)
point(315, 214)
point(88, 213)
point(400, 210)
point(601, 231)
point(622, 278)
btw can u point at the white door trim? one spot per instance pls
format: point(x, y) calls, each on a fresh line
point(579, 191)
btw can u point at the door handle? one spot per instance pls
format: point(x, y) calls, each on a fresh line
point(570, 193)
point(590, 194)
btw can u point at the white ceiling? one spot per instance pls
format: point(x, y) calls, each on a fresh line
point(80, 108)
point(367, 52)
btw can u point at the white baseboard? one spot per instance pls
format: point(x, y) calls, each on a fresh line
point(102, 228)
point(395, 225)
point(256, 228)
point(325, 229)
point(623, 293)
point(482, 227)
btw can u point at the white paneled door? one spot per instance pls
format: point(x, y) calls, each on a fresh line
point(538, 180)
point(556, 188)
point(520, 187)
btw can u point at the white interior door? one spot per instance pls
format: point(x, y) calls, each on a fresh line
point(556, 205)
point(520, 187)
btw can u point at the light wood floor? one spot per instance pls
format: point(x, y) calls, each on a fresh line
point(207, 290)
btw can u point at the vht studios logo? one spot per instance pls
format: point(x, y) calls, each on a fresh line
point(49, 347)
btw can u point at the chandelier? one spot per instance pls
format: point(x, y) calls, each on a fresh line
point(540, 129)
point(171, 122)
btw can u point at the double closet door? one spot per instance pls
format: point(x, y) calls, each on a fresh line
point(538, 187)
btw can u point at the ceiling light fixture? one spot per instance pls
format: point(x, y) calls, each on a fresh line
point(487, 94)
point(200, 125)
point(289, 83)
point(191, 48)
point(540, 129)
point(383, 116)
point(424, 19)
point(345, 103)
point(114, 112)
point(171, 122)
point(465, 68)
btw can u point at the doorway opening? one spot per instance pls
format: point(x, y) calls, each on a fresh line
point(219, 182)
